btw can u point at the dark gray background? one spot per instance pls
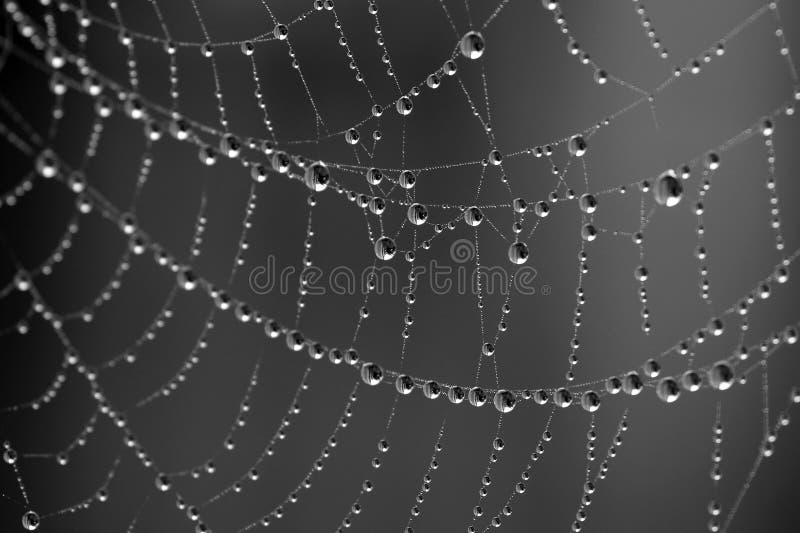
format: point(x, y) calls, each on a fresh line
point(660, 479)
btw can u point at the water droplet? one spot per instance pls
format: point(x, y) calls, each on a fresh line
point(10, 456)
point(404, 105)
point(632, 384)
point(47, 164)
point(187, 280)
point(590, 401)
point(668, 190)
point(473, 216)
point(504, 401)
point(721, 375)
point(385, 248)
point(317, 176)
point(456, 394)
point(577, 145)
point(407, 179)
point(404, 384)
point(476, 397)
point(562, 397)
point(588, 232)
point(667, 390)
point(691, 381)
point(352, 136)
point(30, 521)
point(541, 396)
point(371, 374)
point(600, 76)
point(518, 253)
point(431, 390)
point(281, 31)
point(281, 161)
point(472, 45)
point(587, 203)
point(417, 214)
point(712, 161)
point(542, 209)
point(295, 340)
point(613, 385)
point(495, 157)
point(651, 368)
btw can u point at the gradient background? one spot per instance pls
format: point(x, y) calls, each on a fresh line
point(660, 479)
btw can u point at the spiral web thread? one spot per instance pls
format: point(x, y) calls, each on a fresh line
point(33, 38)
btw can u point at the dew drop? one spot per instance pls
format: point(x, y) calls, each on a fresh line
point(476, 397)
point(668, 190)
point(590, 401)
point(385, 248)
point(317, 176)
point(473, 216)
point(504, 401)
point(577, 146)
point(30, 521)
point(417, 214)
point(721, 375)
point(371, 374)
point(562, 398)
point(404, 105)
point(667, 390)
point(472, 45)
point(518, 253)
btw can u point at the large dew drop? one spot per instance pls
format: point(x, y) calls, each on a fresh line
point(504, 401)
point(404, 105)
point(374, 176)
point(613, 385)
point(281, 162)
point(230, 146)
point(588, 232)
point(431, 390)
point(47, 164)
point(721, 375)
point(371, 373)
point(668, 190)
point(456, 394)
point(691, 381)
point(577, 145)
point(587, 203)
point(590, 401)
point(385, 248)
point(632, 384)
point(417, 214)
point(187, 279)
point(352, 136)
point(407, 179)
point(404, 384)
point(163, 482)
point(668, 390)
point(472, 45)
point(473, 216)
point(562, 397)
point(518, 253)
point(317, 176)
point(476, 397)
point(542, 209)
point(30, 521)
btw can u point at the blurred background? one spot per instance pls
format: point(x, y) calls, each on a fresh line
point(538, 94)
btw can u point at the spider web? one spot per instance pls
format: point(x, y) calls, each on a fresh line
point(345, 184)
